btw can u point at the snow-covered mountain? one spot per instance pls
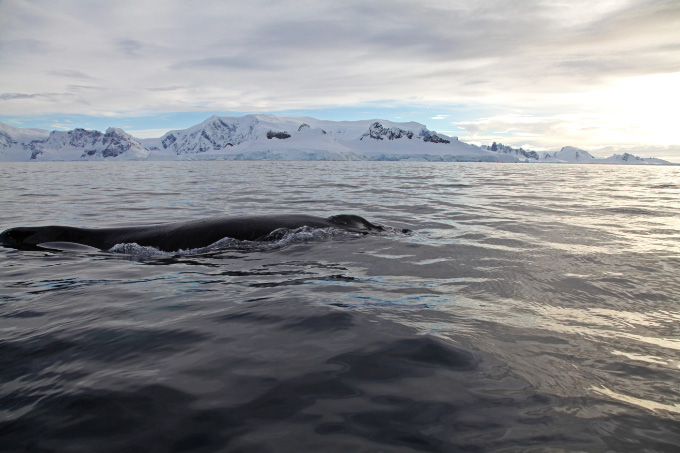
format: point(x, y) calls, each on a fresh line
point(79, 144)
point(629, 159)
point(270, 137)
point(570, 155)
point(273, 137)
point(514, 154)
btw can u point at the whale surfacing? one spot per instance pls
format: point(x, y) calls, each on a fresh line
point(170, 237)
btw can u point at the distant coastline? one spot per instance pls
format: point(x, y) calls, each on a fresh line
point(270, 137)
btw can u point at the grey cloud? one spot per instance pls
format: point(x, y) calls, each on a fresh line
point(527, 56)
point(29, 45)
point(130, 47)
point(532, 126)
point(84, 88)
point(636, 18)
point(19, 96)
point(168, 88)
point(72, 74)
point(14, 96)
point(251, 61)
point(610, 64)
point(404, 30)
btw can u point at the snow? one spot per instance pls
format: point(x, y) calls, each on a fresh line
point(271, 137)
point(23, 134)
point(570, 155)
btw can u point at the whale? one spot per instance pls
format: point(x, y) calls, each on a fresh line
point(194, 234)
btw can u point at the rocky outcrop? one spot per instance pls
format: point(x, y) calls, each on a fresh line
point(280, 135)
point(112, 143)
point(429, 136)
point(377, 132)
point(518, 152)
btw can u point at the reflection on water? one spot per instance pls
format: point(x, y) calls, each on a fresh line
point(532, 306)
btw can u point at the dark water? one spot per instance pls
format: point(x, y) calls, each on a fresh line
point(533, 308)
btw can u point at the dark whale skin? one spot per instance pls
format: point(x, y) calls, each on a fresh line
point(171, 237)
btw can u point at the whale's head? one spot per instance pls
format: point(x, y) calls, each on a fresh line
point(27, 237)
point(12, 237)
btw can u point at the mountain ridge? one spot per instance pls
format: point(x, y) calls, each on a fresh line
point(271, 137)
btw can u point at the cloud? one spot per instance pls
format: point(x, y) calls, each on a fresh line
point(169, 88)
point(519, 125)
point(20, 96)
point(130, 47)
point(31, 45)
point(83, 87)
point(228, 62)
point(538, 58)
point(554, 131)
point(14, 96)
point(72, 74)
point(64, 125)
point(147, 133)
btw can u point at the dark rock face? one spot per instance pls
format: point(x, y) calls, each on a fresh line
point(36, 148)
point(208, 143)
point(116, 143)
point(35, 153)
point(169, 141)
point(280, 135)
point(378, 132)
point(111, 144)
point(432, 137)
point(629, 157)
point(501, 148)
point(5, 140)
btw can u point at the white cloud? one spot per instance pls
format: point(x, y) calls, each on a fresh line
point(632, 111)
point(64, 126)
point(543, 59)
point(147, 133)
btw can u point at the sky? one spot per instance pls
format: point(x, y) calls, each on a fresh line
point(603, 75)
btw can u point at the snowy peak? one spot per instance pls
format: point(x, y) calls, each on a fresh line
point(630, 159)
point(262, 132)
point(12, 135)
point(213, 134)
point(518, 153)
point(36, 144)
point(112, 143)
point(571, 154)
point(257, 137)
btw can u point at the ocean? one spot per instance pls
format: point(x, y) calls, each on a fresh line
point(531, 308)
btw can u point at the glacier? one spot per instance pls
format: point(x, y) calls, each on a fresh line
point(271, 137)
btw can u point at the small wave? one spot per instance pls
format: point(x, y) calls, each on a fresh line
point(633, 211)
point(277, 239)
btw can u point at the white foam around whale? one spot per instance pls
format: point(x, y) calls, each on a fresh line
point(283, 238)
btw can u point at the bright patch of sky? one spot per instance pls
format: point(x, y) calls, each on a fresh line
point(534, 73)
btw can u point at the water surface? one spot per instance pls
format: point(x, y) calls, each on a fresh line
point(534, 307)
